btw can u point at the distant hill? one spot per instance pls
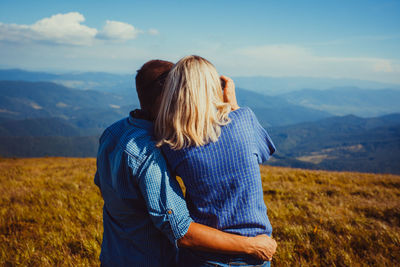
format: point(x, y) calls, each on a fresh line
point(44, 146)
point(280, 85)
point(87, 110)
point(340, 143)
point(38, 127)
point(348, 100)
point(46, 98)
point(275, 111)
point(100, 81)
point(22, 75)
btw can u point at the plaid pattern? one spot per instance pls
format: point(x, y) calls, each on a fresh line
point(223, 180)
point(144, 212)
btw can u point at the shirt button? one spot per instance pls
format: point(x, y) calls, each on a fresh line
point(169, 211)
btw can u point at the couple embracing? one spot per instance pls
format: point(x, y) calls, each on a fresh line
point(188, 126)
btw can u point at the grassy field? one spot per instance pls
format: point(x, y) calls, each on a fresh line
point(50, 215)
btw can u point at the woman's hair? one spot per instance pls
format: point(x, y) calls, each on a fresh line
point(192, 110)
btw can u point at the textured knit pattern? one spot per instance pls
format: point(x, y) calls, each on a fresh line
point(223, 181)
point(144, 212)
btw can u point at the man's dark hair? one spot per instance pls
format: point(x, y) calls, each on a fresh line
point(150, 81)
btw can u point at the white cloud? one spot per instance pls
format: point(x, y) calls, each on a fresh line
point(120, 31)
point(67, 29)
point(58, 29)
point(153, 32)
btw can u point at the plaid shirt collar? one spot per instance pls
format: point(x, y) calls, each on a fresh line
point(139, 118)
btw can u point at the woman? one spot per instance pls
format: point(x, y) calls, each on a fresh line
point(216, 148)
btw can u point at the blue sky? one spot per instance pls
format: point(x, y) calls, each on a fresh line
point(343, 39)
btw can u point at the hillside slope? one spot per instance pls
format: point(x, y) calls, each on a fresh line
point(51, 215)
point(340, 143)
point(19, 99)
point(38, 127)
point(275, 111)
point(90, 111)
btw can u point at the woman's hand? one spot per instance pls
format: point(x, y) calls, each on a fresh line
point(229, 92)
point(262, 247)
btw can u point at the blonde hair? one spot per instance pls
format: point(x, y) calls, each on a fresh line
point(192, 110)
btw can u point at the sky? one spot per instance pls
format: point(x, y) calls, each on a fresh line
point(336, 39)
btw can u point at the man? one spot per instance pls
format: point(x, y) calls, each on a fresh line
point(145, 217)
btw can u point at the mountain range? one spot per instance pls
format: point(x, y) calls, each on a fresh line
point(89, 108)
point(40, 116)
point(49, 119)
point(100, 81)
point(90, 111)
point(334, 96)
point(282, 85)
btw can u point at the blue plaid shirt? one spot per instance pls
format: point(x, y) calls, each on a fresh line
point(222, 179)
point(144, 212)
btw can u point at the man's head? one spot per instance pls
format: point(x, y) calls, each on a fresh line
point(149, 84)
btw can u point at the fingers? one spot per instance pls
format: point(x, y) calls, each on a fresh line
point(273, 247)
point(225, 78)
point(228, 82)
point(267, 247)
point(229, 92)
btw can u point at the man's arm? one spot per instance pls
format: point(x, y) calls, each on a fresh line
point(205, 238)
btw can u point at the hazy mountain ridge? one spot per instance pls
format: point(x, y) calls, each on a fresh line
point(54, 98)
point(282, 85)
point(267, 85)
point(101, 81)
point(275, 111)
point(85, 109)
point(348, 100)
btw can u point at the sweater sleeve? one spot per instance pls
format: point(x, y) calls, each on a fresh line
point(264, 147)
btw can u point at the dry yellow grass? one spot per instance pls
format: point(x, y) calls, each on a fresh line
point(333, 218)
point(50, 215)
point(50, 212)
